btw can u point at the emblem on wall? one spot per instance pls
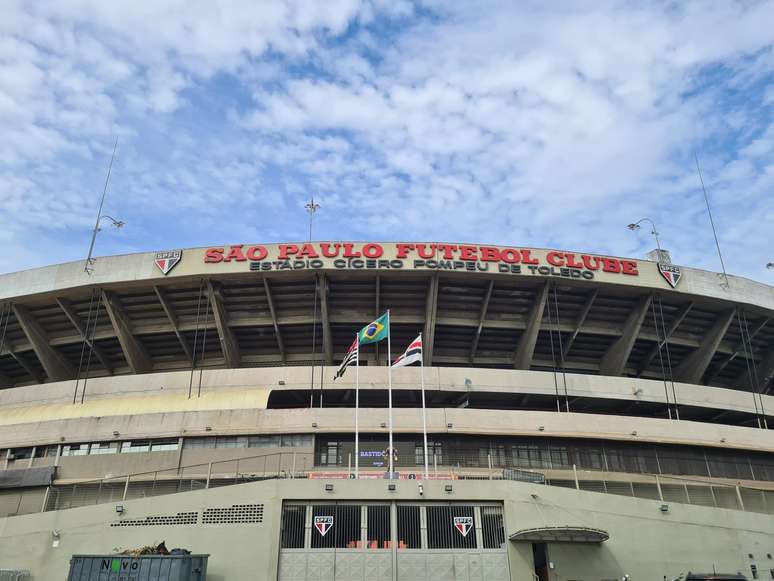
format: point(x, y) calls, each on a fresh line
point(167, 260)
point(671, 273)
point(463, 524)
point(323, 524)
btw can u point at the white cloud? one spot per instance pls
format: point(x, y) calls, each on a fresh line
point(524, 123)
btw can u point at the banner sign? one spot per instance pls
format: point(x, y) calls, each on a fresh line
point(421, 256)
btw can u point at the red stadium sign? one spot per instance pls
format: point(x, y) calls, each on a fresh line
point(421, 256)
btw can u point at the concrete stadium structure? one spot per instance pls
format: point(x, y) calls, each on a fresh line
point(588, 417)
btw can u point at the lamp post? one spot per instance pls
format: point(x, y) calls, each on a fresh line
point(636, 226)
point(89, 268)
point(312, 208)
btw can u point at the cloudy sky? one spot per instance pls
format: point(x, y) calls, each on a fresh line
point(550, 124)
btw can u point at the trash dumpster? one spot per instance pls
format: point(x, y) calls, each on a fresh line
point(140, 568)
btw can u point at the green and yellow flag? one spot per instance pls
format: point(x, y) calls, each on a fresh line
point(376, 331)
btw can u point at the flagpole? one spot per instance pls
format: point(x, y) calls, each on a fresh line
point(389, 389)
point(424, 409)
point(357, 405)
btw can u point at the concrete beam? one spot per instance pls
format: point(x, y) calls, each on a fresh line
point(431, 313)
point(764, 372)
point(522, 358)
point(72, 315)
point(323, 289)
point(614, 360)
point(272, 310)
point(56, 366)
point(740, 348)
point(134, 352)
point(669, 332)
point(26, 365)
point(228, 342)
point(481, 319)
point(692, 369)
point(169, 311)
point(584, 313)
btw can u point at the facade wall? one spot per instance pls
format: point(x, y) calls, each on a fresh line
point(645, 543)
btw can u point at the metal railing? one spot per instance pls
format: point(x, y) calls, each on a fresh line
point(178, 479)
point(665, 488)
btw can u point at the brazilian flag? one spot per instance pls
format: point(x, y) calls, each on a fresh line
point(376, 331)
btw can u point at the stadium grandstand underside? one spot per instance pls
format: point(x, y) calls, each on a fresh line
point(587, 417)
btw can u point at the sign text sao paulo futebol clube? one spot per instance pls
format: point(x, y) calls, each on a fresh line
point(459, 257)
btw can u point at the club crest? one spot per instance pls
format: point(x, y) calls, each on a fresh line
point(463, 524)
point(167, 260)
point(671, 273)
point(323, 524)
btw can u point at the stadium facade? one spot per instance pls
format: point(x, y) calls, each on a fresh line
point(588, 417)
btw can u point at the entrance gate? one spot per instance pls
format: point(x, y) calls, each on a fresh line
point(393, 542)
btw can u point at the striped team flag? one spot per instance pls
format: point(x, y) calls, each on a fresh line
point(411, 355)
point(349, 359)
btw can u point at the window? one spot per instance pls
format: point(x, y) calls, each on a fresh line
point(45, 451)
point(135, 446)
point(329, 453)
point(409, 535)
point(231, 442)
point(378, 527)
point(104, 448)
point(263, 441)
point(451, 527)
point(164, 446)
point(292, 527)
point(492, 527)
point(297, 440)
point(75, 450)
point(344, 533)
point(199, 443)
point(21, 453)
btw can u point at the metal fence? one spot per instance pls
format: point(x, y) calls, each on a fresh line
point(182, 479)
point(665, 488)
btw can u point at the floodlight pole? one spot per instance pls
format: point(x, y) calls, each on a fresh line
point(312, 208)
point(654, 231)
point(117, 223)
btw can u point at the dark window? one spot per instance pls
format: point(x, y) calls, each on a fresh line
point(492, 527)
point(409, 535)
point(451, 527)
point(344, 532)
point(292, 531)
point(378, 527)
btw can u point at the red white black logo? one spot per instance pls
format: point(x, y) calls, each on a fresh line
point(671, 273)
point(323, 524)
point(168, 259)
point(463, 524)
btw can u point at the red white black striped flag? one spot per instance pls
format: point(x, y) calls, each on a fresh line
point(411, 355)
point(349, 359)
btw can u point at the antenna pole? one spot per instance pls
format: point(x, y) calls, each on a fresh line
point(712, 222)
point(89, 261)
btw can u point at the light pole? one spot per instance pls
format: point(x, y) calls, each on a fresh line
point(636, 226)
point(113, 222)
point(311, 207)
point(89, 268)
